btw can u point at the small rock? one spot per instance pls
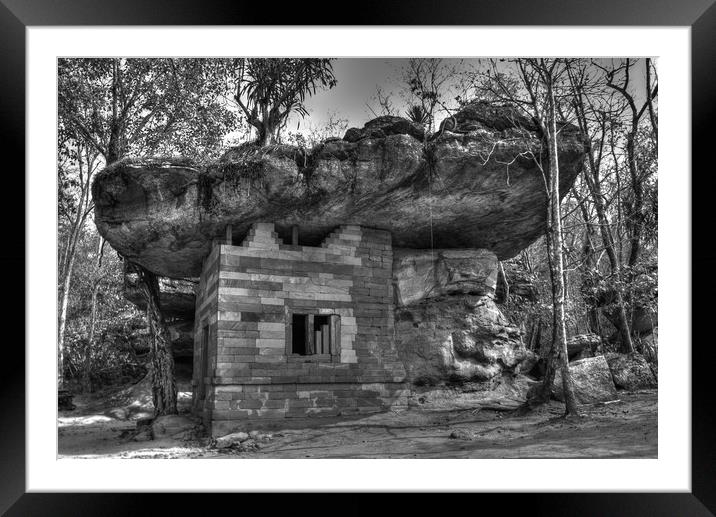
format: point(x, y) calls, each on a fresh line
point(118, 413)
point(461, 434)
point(230, 440)
point(170, 425)
point(143, 435)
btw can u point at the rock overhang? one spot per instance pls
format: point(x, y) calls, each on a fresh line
point(474, 184)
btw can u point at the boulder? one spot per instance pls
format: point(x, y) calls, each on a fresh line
point(582, 345)
point(171, 425)
point(453, 191)
point(447, 325)
point(230, 440)
point(484, 116)
point(384, 126)
point(631, 371)
point(423, 274)
point(592, 381)
point(456, 339)
point(650, 346)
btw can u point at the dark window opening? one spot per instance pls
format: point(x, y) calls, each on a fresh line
point(315, 334)
point(299, 334)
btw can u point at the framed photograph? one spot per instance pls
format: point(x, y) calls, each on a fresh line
point(423, 248)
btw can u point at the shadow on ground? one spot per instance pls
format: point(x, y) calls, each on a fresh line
point(440, 428)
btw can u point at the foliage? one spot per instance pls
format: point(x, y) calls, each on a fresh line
point(144, 106)
point(610, 217)
point(431, 85)
point(119, 326)
point(268, 91)
point(334, 127)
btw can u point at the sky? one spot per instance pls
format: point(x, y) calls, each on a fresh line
point(357, 80)
point(356, 89)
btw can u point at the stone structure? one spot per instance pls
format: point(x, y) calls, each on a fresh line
point(288, 331)
point(449, 205)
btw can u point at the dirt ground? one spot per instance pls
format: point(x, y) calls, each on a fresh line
point(462, 426)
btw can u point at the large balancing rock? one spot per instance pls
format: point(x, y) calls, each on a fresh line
point(474, 184)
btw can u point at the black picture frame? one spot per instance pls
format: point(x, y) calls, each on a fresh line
point(700, 15)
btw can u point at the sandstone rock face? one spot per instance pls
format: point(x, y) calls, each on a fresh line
point(592, 381)
point(447, 325)
point(421, 274)
point(176, 296)
point(631, 371)
point(384, 126)
point(453, 191)
point(456, 339)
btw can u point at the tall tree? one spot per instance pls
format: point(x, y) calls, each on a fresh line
point(619, 79)
point(77, 163)
point(117, 107)
point(607, 118)
point(595, 116)
point(532, 85)
point(269, 90)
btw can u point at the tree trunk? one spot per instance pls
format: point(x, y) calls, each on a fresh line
point(608, 242)
point(595, 190)
point(64, 302)
point(635, 217)
point(87, 360)
point(556, 263)
point(164, 392)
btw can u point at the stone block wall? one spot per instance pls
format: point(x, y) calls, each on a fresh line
point(247, 297)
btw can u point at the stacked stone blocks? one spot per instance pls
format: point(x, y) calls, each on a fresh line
point(247, 297)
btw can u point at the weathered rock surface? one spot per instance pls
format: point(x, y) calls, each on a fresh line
point(454, 191)
point(592, 381)
point(385, 126)
point(460, 338)
point(224, 442)
point(421, 274)
point(631, 371)
point(582, 345)
point(176, 296)
point(447, 325)
point(171, 425)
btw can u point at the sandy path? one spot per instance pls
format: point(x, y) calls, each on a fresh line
point(625, 429)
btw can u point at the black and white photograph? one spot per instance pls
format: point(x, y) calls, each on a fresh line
point(403, 258)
